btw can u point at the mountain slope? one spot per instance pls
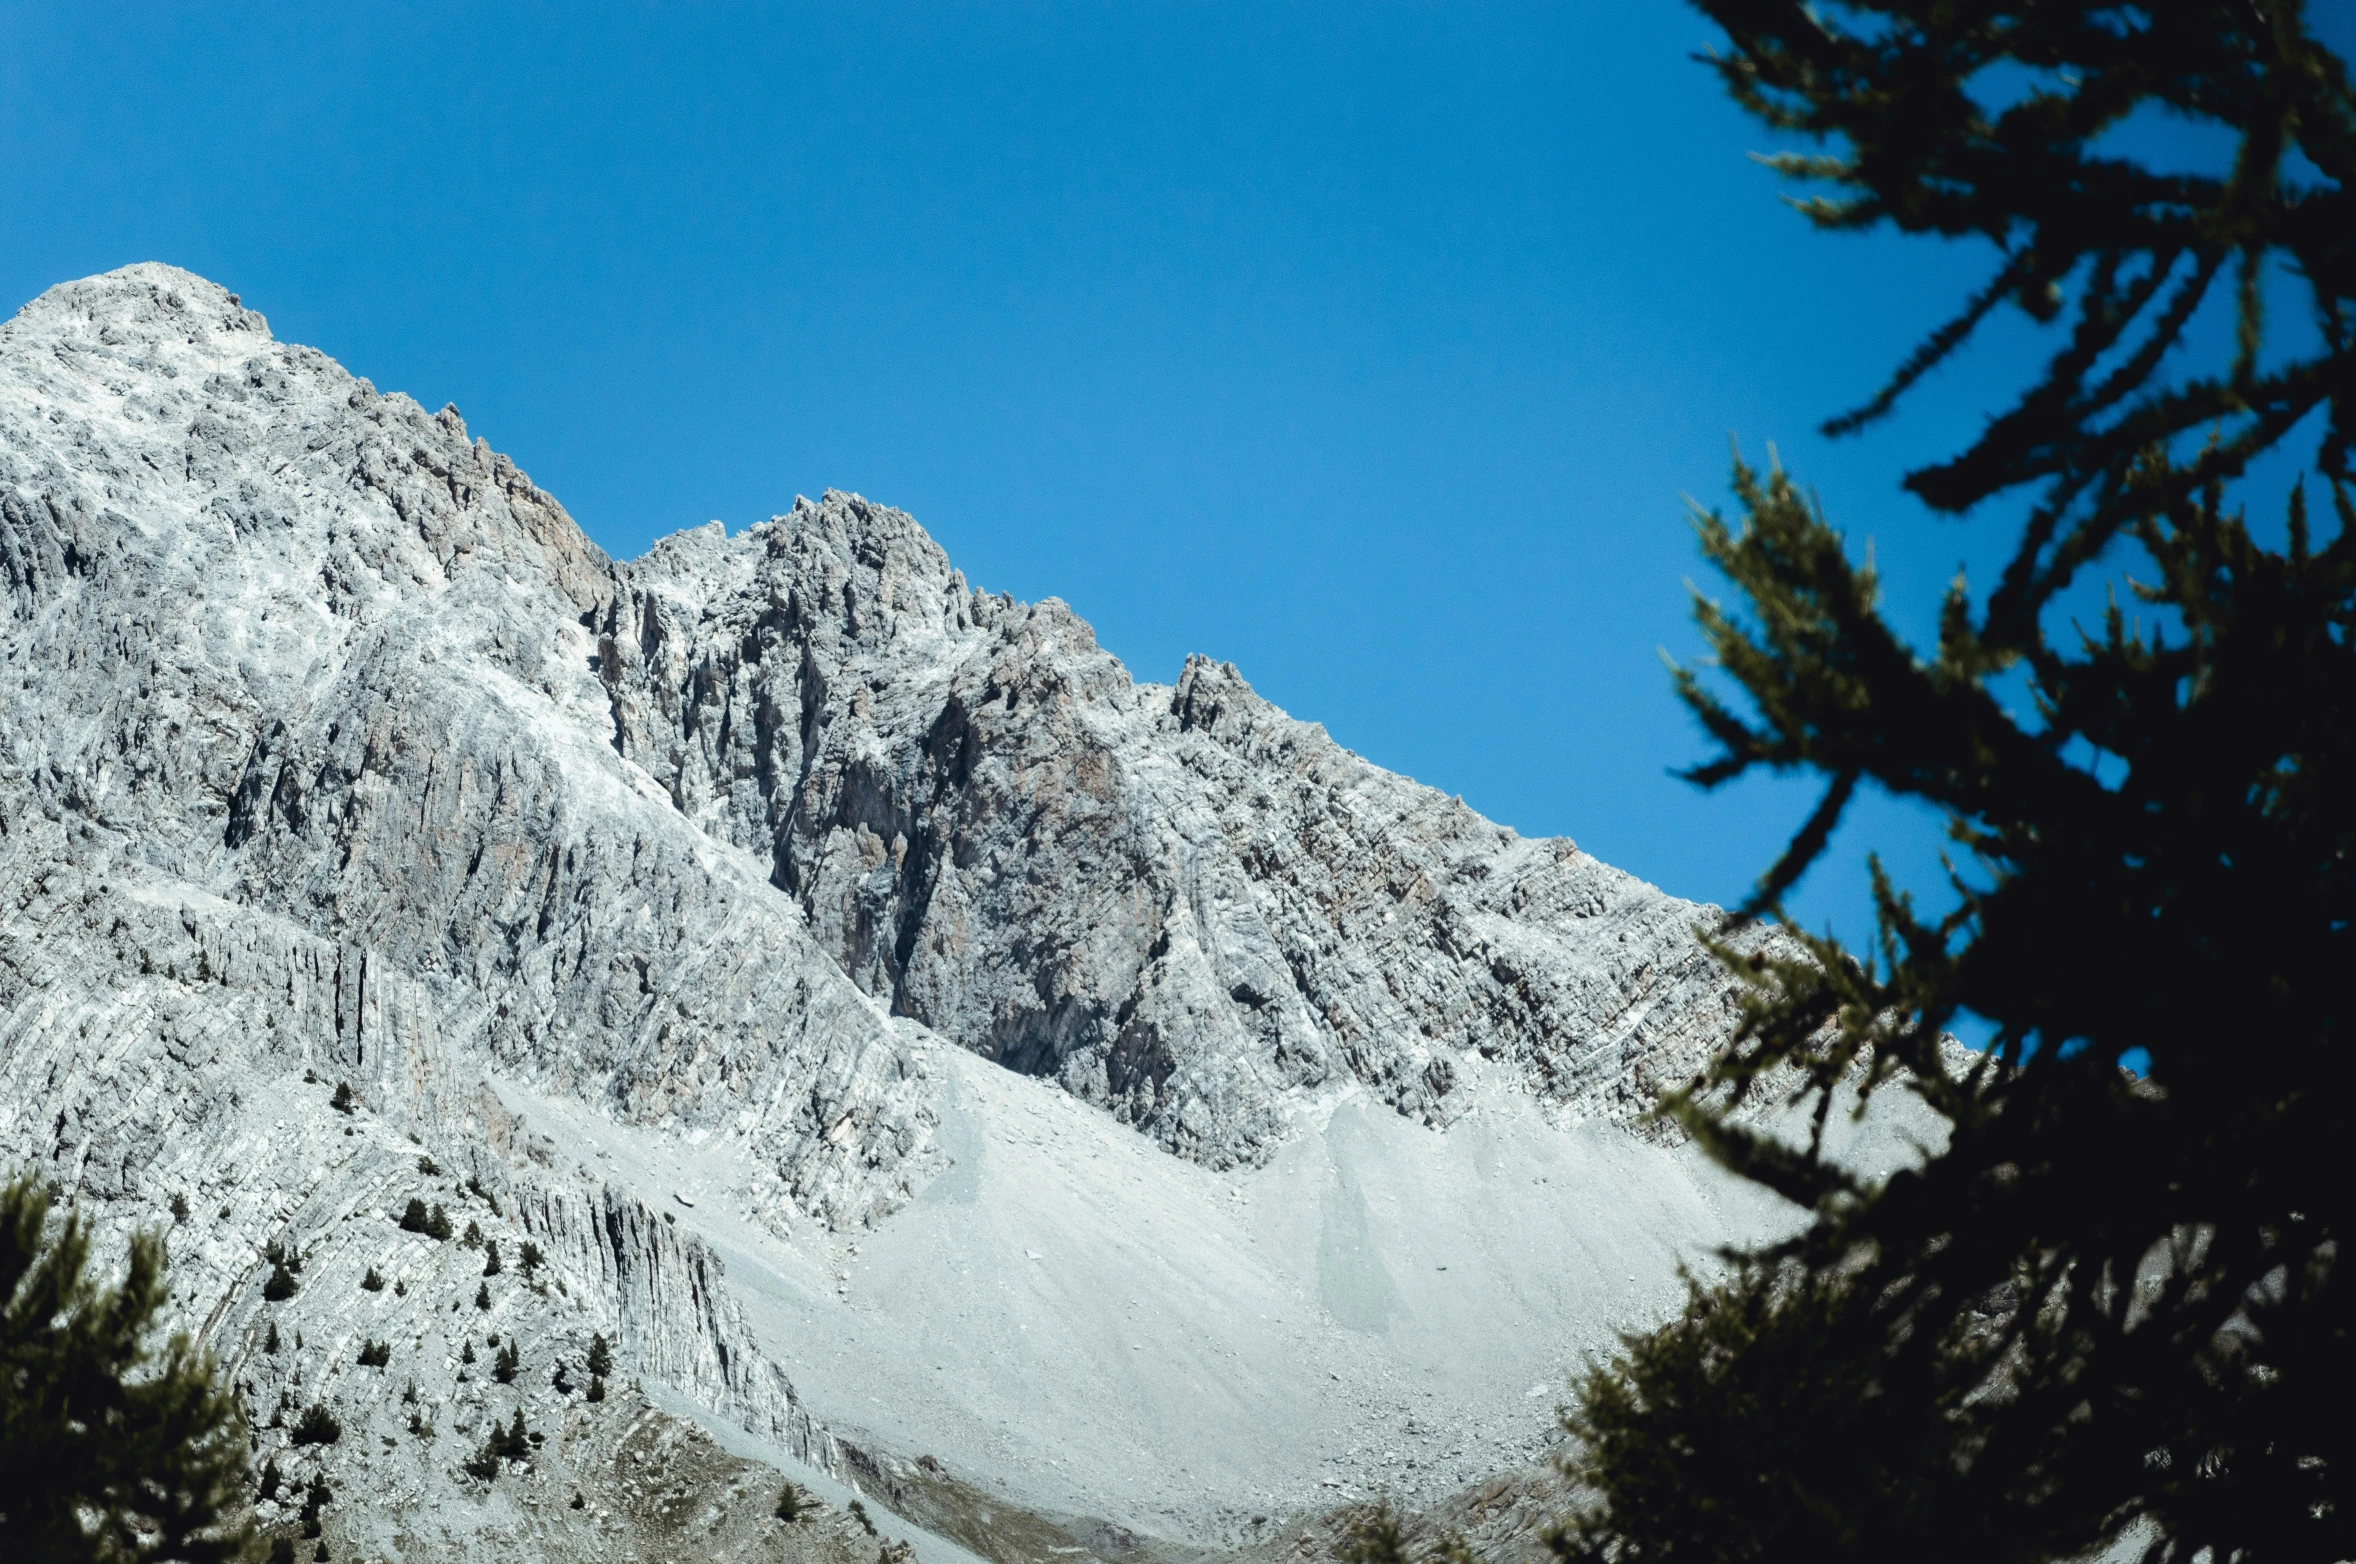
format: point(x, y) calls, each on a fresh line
point(1177, 902)
point(776, 933)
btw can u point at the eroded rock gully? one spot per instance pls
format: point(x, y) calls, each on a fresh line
point(331, 750)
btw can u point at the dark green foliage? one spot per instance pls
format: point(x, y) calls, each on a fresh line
point(375, 1354)
point(512, 1443)
point(473, 1238)
point(373, 1281)
point(429, 1167)
point(474, 1187)
point(414, 1218)
point(179, 1206)
point(2109, 1299)
point(601, 1355)
point(279, 1285)
point(266, 1486)
point(596, 1390)
point(270, 1341)
point(578, 1501)
point(314, 1503)
point(505, 1367)
point(491, 1258)
point(859, 1514)
point(110, 1448)
point(319, 1554)
point(342, 1101)
point(792, 1504)
point(437, 1226)
point(317, 1426)
point(1377, 1536)
point(560, 1381)
point(282, 1550)
point(482, 1295)
point(466, 1350)
point(530, 1259)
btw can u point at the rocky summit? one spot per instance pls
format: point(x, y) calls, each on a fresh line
point(1065, 1115)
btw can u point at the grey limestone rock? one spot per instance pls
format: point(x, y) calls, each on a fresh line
point(332, 751)
point(1177, 901)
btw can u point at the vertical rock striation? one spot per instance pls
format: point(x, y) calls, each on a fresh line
point(1177, 901)
point(331, 751)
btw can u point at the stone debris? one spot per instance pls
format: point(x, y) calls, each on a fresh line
point(332, 753)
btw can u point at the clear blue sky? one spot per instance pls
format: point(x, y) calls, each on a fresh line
point(1369, 346)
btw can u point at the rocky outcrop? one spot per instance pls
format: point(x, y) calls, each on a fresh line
point(1177, 901)
point(333, 753)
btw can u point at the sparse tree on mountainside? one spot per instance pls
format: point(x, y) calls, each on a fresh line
point(1376, 1536)
point(317, 1426)
point(110, 1449)
point(2109, 1300)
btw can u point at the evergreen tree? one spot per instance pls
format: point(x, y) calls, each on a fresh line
point(2112, 1297)
point(110, 1449)
point(505, 1367)
point(491, 1257)
point(314, 1502)
point(601, 1355)
point(317, 1426)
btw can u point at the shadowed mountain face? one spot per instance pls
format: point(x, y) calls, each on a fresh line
point(331, 748)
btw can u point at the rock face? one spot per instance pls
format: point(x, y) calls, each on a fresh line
point(1176, 901)
point(331, 751)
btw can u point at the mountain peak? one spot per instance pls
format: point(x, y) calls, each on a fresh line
point(148, 302)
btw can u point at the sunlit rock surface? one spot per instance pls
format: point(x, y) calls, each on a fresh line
point(660, 908)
